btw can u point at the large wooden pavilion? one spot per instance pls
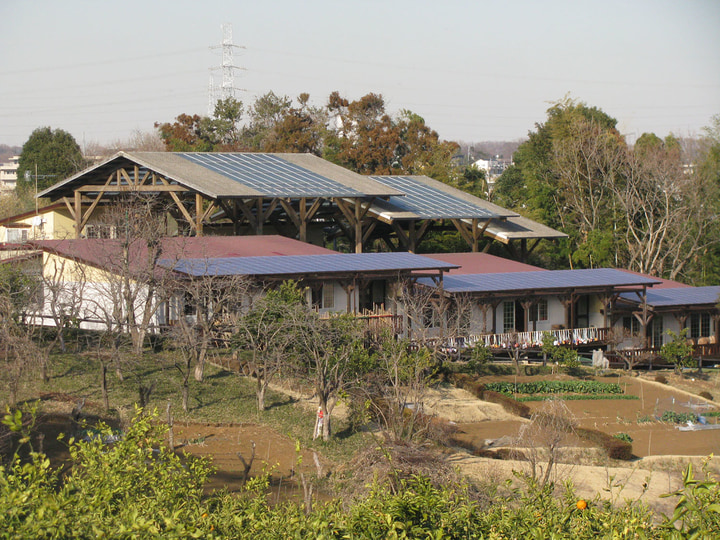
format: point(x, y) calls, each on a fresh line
point(290, 194)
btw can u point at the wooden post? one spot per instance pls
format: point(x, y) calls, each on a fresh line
point(78, 214)
point(198, 214)
point(358, 227)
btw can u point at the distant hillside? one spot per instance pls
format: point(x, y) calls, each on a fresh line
point(6, 152)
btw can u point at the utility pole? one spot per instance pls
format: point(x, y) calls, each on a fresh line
point(227, 88)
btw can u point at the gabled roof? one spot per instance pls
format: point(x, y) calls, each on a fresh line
point(236, 174)
point(680, 296)
point(426, 198)
point(102, 253)
point(481, 263)
point(548, 281)
point(312, 265)
point(11, 220)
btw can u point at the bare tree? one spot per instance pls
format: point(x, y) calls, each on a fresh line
point(127, 285)
point(587, 162)
point(668, 211)
point(397, 386)
point(209, 308)
point(18, 352)
point(542, 440)
point(267, 333)
point(63, 284)
point(332, 352)
point(434, 320)
point(130, 280)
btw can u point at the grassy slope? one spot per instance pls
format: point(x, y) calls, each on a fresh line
point(223, 397)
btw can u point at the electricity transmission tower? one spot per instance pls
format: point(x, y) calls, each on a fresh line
point(227, 88)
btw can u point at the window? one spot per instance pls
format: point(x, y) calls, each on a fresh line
point(657, 332)
point(699, 325)
point(541, 310)
point(631, 325)
point(328, 296)
point(508, 316)
point(17, 236)
point(100, 231)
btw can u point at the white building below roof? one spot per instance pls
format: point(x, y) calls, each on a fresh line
point(8, 173)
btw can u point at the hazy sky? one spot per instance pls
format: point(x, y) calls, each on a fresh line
point(475, 70)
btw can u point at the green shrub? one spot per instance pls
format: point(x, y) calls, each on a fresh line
point(706, 395)
point(624, 437)
point(576, 397)
point(555, 387)
point(661, 379)
point(677, 351)
point(673, 417)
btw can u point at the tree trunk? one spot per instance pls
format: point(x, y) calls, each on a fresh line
point(103, 385)
point(185, 395)
point(200, 366)
point(116, 359)
point(44, 362)
point(324, 420)
point(61, 339)
point(261, 388)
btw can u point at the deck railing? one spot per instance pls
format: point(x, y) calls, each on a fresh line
point(529, 340)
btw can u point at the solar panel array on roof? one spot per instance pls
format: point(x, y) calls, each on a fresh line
point(538, 280)
point(271, 175)
point(428, 202)
point(681, 296)
point(304, 264)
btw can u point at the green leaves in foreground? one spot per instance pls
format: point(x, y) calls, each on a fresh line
point(136, 488)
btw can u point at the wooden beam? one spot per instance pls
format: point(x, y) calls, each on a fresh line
point(369, 230)
point(89, 212)
point(290, 211)
point(182, 208)
point(124, 174)
point(111, 188)
point(460, 226)
point(345, 209)
point(402, 237)
point(69, 206)
point(247, 212)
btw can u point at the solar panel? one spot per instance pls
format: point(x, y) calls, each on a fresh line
point(304, 264)
point(271, 175)
point(429, 202)
point(543, 279)
point(681, 296)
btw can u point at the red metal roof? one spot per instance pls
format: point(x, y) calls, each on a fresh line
point(664, 283)
point(103, 253)
point(481, 263)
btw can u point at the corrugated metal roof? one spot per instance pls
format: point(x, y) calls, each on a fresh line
point(519, 228)
point(103, 253)
point(305, 264)
point(681, 296)
point(249, 175)
point(426, 198)
point(541, 280)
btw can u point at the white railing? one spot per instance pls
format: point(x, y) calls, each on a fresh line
point(527, 340)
